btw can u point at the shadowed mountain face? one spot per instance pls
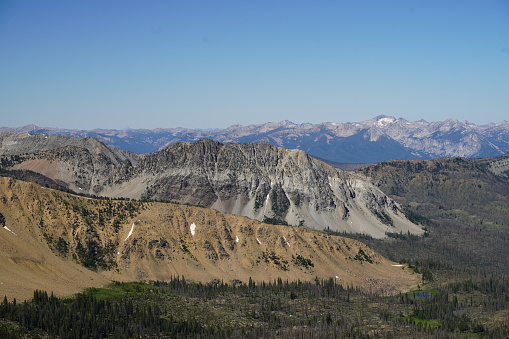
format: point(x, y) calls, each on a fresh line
point(46, 233)
point(259, 181)
point(379, 139)
point(471, 191)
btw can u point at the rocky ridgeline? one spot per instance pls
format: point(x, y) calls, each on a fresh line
point(259, 181)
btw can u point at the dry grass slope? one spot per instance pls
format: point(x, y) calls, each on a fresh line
point(124, 240)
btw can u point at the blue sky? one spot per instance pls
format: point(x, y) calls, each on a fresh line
point(211, 64)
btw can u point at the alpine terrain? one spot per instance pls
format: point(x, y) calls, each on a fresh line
point(247, 278)
point(259, 181)
point(46, 233)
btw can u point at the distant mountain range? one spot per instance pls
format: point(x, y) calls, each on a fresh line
point(379, 139)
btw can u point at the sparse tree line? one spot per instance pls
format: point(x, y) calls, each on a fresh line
point(80, 239)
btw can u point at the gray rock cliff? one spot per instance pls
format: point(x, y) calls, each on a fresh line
point(259, 181)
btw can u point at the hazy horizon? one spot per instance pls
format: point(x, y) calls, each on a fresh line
point(245, 125)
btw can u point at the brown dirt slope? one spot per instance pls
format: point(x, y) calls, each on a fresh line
point(26, 261)
point(46, 233)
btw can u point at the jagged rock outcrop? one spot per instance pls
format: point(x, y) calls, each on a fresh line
point(82, 165)
point(259, 181)
point(262, 181)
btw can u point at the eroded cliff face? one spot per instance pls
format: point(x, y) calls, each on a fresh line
point(82, 165)
point(265, 182)
point(259, 181)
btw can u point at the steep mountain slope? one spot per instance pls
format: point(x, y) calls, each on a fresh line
point(262, 181)
point(499, 166)
point(464, 203)
point(473, 190)
point(78, 164)
point(259, 181)
point(44, 231)
point(379, 139)
point(26, 261)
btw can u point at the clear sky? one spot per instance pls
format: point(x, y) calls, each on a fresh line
point(211, 64)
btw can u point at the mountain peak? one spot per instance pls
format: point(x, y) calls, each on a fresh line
point(383, 120)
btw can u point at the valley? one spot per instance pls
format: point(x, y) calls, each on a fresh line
point(254, 170)
point(465, 204)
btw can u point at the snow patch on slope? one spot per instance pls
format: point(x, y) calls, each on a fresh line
point(8, 229)
point(130, 232)
point(286, 241)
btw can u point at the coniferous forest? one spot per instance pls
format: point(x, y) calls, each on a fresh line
point(278, 309)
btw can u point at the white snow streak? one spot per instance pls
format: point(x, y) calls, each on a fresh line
point(130, 232)
point(258, 241)
point(8, 229)
point(193, 228)
point(286, 241)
